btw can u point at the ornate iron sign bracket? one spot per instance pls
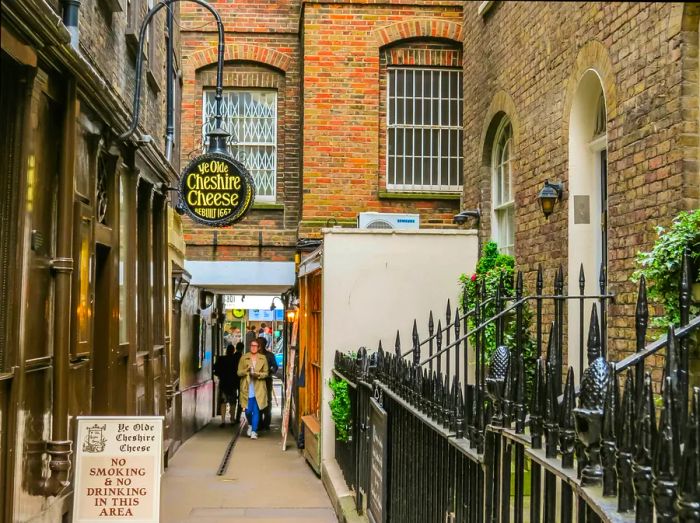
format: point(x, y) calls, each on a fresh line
point(216, 196)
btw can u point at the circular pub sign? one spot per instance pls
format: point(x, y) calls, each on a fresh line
point(216, 190)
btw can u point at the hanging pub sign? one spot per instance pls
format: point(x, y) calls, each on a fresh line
point(216, 190)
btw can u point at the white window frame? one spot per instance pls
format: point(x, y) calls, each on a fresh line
point(419, 187)
point(269, 198)
point(504, 238)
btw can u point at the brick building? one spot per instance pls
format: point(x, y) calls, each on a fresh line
point(85, 269)
point(319, 70)
point(372, 99)
point(602, 97)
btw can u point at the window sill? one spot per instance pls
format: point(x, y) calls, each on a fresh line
point(132, 40)
point(152, 81)
point(268, 206)
point(386, 195)
point(113, 6)
point(484, 7)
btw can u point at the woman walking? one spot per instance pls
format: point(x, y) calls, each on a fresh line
point(253, 370)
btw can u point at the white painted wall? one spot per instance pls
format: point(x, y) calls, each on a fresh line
point(378, 281)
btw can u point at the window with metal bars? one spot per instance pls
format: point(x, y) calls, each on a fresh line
point(250, 117)
point(503, 227)
point(424, 129)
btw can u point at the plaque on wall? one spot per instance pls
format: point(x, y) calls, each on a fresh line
point(216, 190)
point(378, 477)
point(582, 209)
point(118, 468)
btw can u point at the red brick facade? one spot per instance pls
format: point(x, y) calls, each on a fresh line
point(336, 87)
point(344, 113)
point(262, 51)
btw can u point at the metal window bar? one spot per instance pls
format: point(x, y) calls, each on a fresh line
point(420, 155)
point(250, 116)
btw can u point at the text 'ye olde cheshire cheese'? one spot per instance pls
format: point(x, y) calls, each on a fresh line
point(212, 191)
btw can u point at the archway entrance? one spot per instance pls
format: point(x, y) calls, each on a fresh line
point(588, 208)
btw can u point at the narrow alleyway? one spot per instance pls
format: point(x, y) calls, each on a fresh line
point(262, 484)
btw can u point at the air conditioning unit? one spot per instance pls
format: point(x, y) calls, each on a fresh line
point(385, 220)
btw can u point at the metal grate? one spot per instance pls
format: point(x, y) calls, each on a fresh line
point(424, 129)
point(251, 119)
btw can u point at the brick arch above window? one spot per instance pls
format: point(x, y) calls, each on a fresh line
point(242, 52)
point(418, 28)
point(593, 56)
point(501, 106)
point(424, 52)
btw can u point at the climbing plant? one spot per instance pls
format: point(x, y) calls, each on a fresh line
point(491, 267)
point(662, 265)
point(340, 408)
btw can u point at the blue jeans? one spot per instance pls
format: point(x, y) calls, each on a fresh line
point(253, 414)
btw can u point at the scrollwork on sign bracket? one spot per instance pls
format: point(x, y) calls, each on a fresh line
point(101, 196)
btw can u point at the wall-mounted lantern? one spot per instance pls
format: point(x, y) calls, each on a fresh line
point(181, 282)
point(549, 195)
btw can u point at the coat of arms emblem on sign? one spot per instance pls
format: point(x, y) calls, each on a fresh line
point(94, 439)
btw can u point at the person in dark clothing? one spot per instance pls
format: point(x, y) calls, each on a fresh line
point(237, 380)
point(272, 364)
point(249, 337)
point(225, 370)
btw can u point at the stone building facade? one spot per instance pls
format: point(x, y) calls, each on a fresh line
point(571, 82)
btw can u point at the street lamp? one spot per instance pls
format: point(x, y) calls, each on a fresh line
point(273, 306)
point(549, 195)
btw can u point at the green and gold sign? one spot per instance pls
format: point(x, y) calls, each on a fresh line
point(216, 190)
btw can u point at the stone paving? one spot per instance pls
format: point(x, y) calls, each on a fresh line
point(262, 483)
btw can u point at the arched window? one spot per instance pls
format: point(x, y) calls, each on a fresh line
point(503, 222)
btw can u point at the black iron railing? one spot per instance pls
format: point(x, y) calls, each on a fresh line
point(474, 446)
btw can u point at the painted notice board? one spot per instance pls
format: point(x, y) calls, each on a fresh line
point(118, 469)
point(378, 478)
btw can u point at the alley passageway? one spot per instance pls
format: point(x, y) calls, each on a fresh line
point(262, 484)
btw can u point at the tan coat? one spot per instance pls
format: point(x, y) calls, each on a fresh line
point(261, 372)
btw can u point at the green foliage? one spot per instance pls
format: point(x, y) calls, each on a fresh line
point(340, 408)
point(489, 269)
point(662, 266)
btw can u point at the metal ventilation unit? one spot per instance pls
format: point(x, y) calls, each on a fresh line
point(384, 220)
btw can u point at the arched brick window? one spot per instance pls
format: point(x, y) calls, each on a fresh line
point(252, 94)
point(422, 117)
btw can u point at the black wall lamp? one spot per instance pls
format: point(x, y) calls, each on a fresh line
point(549, 195)
point(462, 217)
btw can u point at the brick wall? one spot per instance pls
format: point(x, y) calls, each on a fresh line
point(525, 59)
point(344, 113)
point(103, 42)
point(262, 51)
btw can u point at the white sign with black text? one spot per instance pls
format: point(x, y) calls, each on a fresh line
point(118, 469)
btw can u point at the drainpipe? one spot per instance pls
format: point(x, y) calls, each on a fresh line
point(170, 123)
point(59, 448)
point(70, 20)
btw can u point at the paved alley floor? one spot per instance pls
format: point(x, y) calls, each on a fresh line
point(262, 483)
